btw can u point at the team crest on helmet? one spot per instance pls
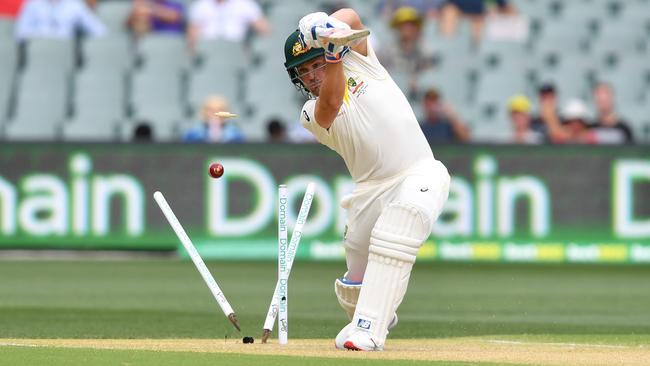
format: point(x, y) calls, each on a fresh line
point(299, 49)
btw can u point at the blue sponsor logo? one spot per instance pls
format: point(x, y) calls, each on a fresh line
point(364, 324)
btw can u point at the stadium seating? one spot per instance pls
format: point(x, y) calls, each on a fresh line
point(114, 14)
point(223, 55)
point(156, 97)
point(492, 91)
point(163, 53)
point(585, 13)
point(626, 38)
point(41, 106)
point(635, 12)
point(282, 102)
point(9, 55)
point(290, 12)
point(630, 85)
point(6, 28)
point(571, 75)
point(99, 105)
point(117, 83)
point(108, 54)
point(213, 81)
point(506, 56)
point(638, 116)
point(559, 38)
point(540, 8)
point(450, 79)
point(51, 54)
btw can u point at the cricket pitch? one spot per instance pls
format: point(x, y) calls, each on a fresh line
point(470, 349)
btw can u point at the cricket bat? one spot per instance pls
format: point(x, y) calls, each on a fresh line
point(343, 37)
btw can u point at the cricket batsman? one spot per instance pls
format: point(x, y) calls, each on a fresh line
point(357, 110)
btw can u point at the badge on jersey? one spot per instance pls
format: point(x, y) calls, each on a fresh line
point(304, 112)
point(356, 86)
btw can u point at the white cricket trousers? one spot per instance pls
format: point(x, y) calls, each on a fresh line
point(368, 200)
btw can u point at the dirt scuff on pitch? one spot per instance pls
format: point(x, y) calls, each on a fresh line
point(457, 349)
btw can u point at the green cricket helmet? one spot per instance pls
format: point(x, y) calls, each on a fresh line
point(295, 53)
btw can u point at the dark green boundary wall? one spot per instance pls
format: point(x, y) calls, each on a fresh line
point(507, 203)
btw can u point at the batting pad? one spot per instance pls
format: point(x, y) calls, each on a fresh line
point(347, 293)
point(398, 234)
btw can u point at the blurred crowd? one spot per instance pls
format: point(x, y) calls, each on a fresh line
point(571, 123)
point(538, 120)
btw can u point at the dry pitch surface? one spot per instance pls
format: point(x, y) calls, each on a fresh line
point(493, 350)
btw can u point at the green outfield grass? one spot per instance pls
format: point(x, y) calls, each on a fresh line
point(167, 299)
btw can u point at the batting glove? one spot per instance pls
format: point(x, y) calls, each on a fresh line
point(336, 55)
point(307, 23)
point(313, 25)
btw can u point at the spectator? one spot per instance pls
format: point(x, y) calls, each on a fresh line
point(548, 121)
point(56, 19)
point(409, 54)
point(143, 132)
point(575, 122)
point(441, 123)
point(157, 16)
point(277, 132)
point(609, 128)
point(522, 126)
point(429, 8)
point(212, 128)
point(10, 8)
point(224, 19)
point(454, 9)
point(546, 96)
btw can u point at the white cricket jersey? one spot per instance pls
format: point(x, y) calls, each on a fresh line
point(376, 132)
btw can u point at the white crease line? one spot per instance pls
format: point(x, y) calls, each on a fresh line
point(559, 344)
point(6, 344)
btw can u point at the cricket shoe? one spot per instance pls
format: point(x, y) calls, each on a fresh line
point(361, 340)
point(345, 333)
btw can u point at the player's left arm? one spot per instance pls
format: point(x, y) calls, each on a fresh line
point(333, 86)
point(332, 92)
point(351, 18)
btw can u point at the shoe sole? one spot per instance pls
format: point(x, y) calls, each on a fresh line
point(351, 347)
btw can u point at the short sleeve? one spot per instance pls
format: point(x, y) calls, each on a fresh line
point(308, 120)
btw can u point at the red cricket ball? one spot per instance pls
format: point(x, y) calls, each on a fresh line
point(216, 170)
